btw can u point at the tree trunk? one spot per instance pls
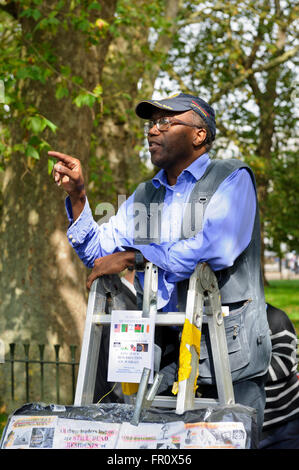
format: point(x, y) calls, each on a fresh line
point(42, 288)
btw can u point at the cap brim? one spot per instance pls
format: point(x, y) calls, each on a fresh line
point(145, 109)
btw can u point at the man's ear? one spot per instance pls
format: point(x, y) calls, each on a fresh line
point(199, 137)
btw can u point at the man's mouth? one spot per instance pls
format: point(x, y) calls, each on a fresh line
point(153, 144)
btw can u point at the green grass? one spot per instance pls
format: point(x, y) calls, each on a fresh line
point(3, 421)
point(284, 294)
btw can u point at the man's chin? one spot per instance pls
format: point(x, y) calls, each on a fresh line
point(157, 161)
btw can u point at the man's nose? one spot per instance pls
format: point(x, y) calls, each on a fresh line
point(154, 130)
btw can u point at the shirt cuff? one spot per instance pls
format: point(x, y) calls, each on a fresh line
point(80, 228)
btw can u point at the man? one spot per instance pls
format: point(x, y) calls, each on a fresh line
point(194, 210)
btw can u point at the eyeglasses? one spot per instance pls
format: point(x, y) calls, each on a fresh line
point(163, 124)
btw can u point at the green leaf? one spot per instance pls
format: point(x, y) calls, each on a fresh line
point(77, 80)
point(50, 124)
point(31, 152)
point(34, 141)
point(18, 148)
point(22, 73)
point(2, 148)
point(84, 99)
point(43, 24)
point(44, 145)
point(36, 124)
point(98, 90)
point(65, 70)
point(61, 92)
point(33, 72)
point(94, 6)
point(53, 21)
point(36, 14)
point(51, 164)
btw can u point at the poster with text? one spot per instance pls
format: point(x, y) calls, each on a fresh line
point(131, 346)
point(78, 434)
point(180, 435)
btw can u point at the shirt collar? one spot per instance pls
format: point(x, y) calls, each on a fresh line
point(196, 169)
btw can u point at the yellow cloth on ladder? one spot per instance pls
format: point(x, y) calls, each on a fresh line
point(191, 336)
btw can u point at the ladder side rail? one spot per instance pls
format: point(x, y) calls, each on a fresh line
point(90, 347)
point(194, 313)
point(220, 358)
point(96, 308)
point(214, 315)
point(149, 310)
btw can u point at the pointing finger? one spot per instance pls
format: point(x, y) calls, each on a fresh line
point(64, 158)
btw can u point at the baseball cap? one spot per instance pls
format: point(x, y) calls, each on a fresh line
point(179, 102)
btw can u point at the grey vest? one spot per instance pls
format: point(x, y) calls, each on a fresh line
point(247, 328)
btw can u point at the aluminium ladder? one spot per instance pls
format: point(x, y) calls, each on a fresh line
point(203, 306)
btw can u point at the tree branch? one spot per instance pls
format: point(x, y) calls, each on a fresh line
point(255, 47)
point(255, 88)
point(248, 73)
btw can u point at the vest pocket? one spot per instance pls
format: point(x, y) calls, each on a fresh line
point(237, 345)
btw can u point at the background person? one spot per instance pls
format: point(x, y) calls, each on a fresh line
point(281, 418)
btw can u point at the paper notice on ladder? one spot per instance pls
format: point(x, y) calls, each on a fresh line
point(131, 346)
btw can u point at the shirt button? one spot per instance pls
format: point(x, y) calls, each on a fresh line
point(178, 194)
point(73, 240)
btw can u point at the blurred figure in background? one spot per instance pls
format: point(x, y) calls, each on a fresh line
point(281, 417)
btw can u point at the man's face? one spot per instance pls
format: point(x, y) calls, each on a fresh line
point(174, 147)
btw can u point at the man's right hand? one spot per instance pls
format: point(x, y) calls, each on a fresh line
point(68, 173)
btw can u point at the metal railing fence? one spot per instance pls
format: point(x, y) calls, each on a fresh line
point(12, 359)
point(73, 364)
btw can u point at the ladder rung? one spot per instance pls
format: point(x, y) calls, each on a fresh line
point(170, 402)
point(169, 318)
point(162, 319)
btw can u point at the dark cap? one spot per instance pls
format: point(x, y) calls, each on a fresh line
point(179, 102)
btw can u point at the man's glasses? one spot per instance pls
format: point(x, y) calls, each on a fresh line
point(163, 124)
